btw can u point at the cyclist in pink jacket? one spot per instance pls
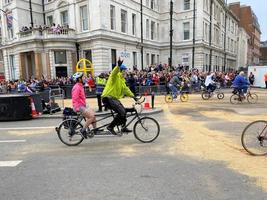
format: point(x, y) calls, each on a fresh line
point(79, 103)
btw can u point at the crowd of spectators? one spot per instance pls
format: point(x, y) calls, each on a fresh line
point(153, 75)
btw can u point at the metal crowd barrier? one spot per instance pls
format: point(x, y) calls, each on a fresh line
point(154, 89)
point(56, 98)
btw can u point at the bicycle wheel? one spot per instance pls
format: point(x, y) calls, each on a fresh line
point(252, 98)
point(184, 97)
point(235, 99)
point(69, 132)
point(168, 98)
point(220, 95)
point(205, 95)
point(146, 129)
point(254, 138)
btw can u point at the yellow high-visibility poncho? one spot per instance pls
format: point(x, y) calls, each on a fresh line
point(116, 86)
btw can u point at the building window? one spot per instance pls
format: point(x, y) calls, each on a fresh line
point(147, 59)
point(133, 24)
point(147, 3)
point(112, 17)
point(64, 18)
point(12, 67)
point(186, 30)
point(186, 4)
point(84, 17)
point(88, 55)
point(113, 57)
point(157, 31)
point(60, 57)
point(153, 24)
point(147, 29)
point(153, 59)
point(50, 20)
point(123, 21)
point(152, 5)
point(134, 59)
point(8, 1)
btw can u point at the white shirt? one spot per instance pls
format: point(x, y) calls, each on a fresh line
point(209, 80)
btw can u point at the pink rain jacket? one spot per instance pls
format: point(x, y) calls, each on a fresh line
point(78, 97)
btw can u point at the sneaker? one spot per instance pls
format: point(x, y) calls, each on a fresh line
point(83, 133)
point(126, 130)
point(111, 130)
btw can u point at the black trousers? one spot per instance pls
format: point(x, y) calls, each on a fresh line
point(99, 102)
point(117, 107)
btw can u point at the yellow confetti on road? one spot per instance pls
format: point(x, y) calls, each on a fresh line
point(202, 143)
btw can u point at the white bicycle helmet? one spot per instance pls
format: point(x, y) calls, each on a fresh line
point(77, 75)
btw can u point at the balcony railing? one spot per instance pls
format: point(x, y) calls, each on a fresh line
point(59, 33)
point(48, 33)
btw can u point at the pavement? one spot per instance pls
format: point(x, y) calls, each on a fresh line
point(92, 103)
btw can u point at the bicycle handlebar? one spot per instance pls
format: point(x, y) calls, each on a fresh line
point(139, 100)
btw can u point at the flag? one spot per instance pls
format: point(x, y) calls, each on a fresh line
point(9, 20)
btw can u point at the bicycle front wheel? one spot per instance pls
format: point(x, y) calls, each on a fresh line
point(235, 99)
point(69, 132)
point(254, 138)
point(146, 129)
point(252, 98)
point(168, 98)
point(184, 97)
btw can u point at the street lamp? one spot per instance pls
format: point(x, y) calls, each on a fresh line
point(30, 4)
point(210, 33)
point(142, 37)
point(171, 32)
point(194, 34)
point(224, 48)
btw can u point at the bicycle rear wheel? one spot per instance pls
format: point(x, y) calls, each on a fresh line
point(69, 132)
point(252, 98)
point(254, 138)
point(235, 99)
point(184, 97)
point(169, 98)
point(205, 95)
point(146, 129)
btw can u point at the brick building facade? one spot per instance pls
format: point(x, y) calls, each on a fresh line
point(263, 51)
point(249, 21)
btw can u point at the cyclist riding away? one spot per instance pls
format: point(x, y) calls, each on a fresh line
point(210, 83)
point(116, 89)
point(241, 83)
point(79, 103)
point(173, 84)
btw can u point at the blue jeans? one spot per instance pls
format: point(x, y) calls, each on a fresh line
point(242, 90)
point(174, 90)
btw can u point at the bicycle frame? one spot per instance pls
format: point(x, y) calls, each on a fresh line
point(112, 114)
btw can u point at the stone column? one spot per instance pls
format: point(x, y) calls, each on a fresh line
point(22, 69)
point(38, 64)
point(74, 59)
point(49, 75)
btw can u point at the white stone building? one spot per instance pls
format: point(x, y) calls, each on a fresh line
point(103, 30)
point(242, 55)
